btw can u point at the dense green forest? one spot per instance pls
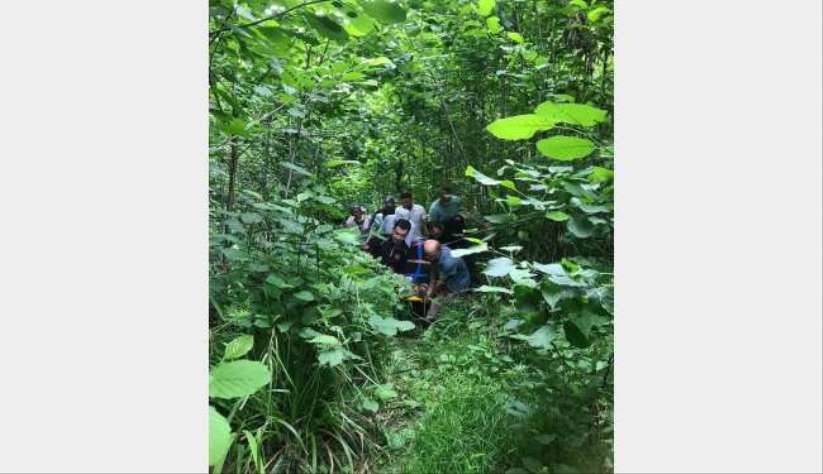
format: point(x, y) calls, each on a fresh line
point(317, 364)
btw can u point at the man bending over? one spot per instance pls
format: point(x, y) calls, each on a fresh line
point(450, 276)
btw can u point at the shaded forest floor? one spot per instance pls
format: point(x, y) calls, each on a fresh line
point(458, 402)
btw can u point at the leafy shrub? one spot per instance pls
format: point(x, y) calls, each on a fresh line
point(319, 311)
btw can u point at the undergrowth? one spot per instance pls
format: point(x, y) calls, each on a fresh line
point(472, 407)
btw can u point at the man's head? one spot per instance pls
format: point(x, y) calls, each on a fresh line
point(436, 229)
point(406, 200)
point(388, 203)
point(400, 231)
point(431, 250)
point(356, 211)
point(445, 193)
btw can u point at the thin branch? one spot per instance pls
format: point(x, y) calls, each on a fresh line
point(272, 17)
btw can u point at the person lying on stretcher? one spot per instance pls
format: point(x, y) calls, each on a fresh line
point(417, 270)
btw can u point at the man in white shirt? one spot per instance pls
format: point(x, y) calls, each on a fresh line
point(414, 213)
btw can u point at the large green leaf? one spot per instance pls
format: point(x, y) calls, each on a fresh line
point(379, 61)
point(304, 295)
point(327, 27)
point(508, 184)
point(277, 282)
point(325, 340)
point(484, 247)
point(236, 127)
point(360, 26)
point(516, 37)
point(389, 326)
point(565, 148)
point(553, 294)
point(575, 336)
point(384, 11)
point(334, 356)
point(277, 39)
point(493, 23)
point(497, 218)
point(589, 208)
point(587, 320)
point(219, 436)
point(480, 177)
point(238, 347)
point(575, 114)
point(485, 7)
point(541, 338)
point(554, 269)
point(600, 174)
point(595, 14)
point(498, 267)
point(580, 227)
point(237, 379)
point(557, 216)
point(493, 289)
point(331, 357)
point(519, 127)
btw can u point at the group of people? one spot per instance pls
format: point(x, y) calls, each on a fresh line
point(418, 244)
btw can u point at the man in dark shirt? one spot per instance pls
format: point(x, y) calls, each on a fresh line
point(395, 252)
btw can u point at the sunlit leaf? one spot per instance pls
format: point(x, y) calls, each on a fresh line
point(519, 127)
point(493, 24)
point(575, 114)
point(565, 148)
point(516, 37)
point(596, 13)
point(600, 174)
point(219, 436)
point(238, 347)
point(557, 216)
point(508, 184)
point(485, 7)
point(237, 379)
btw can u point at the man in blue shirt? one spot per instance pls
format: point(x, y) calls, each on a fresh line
point(446, 207)
point(450, 276)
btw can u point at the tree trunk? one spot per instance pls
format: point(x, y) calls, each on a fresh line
point(233, 156)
